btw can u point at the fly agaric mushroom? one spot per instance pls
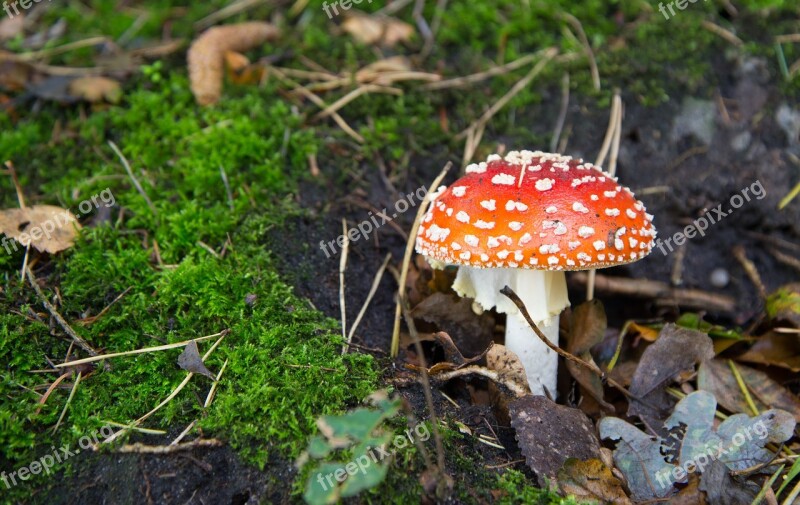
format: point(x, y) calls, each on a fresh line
point(522, 221)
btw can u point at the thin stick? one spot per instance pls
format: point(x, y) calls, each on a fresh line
point(169, 398)
point(228, 193)
point(146, 431)
point(53, 386)
point(576, 24)
point(320, 103)
point(661, 291)
point(562, 113)
point(611, 141)
point(53, 51)
point(140, 351)
point(372, 290)
point(83, 344)
point(69, 401)
point(213, 390)
point(412, 238)
point(426, 384)
point(17, 187)
point(460, 82)
point(349, 97)
point(750, 269)
point(141, 448)
point(184, 433)
point(743, 387)
point(89, 320)
point(133, 178)
point(789, 196)
point(722, 32)
point(342, 268)
point(586, 364)
point(478, 126)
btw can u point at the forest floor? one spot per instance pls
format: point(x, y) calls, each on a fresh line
point(208, 220)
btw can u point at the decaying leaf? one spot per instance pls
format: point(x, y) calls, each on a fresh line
point(45, 227)
point(775, 349)
point(549, 434)
point(652, 465)
point(206, 55)
point(784, 304)
point(96, 88)
point(241, 71)
point(452, 314)
point(716, 377)
point(675, 350)
point(507, 365)
point(376, 29)
point(587, 328)
point(191, 361)
point(592, 481)
point(723, 489)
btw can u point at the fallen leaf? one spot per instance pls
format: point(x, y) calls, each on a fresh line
point(472, 333)
point(653, 464)
point(675, 350)
point(206, 55)
point(507, 365)
point(723, 489)
point(241, 71)
point(377, 30)
point(592, 481)
point(645, 332)
point(716, 377)
point(691, 494)
point(549, 434)
point(95, 89)
point(45, 227)
point(775, 349)
point(784, 304)
point(587, 328)
point(191, 361)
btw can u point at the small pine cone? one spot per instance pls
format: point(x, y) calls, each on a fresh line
point(205, 55)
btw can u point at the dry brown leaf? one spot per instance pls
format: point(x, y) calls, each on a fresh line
point(592, 481)
point(378, 30)
point(95, 89)
point(206, 55)
point(776, 349)
point(549, 434)
point(507, 365)
point(676, 350)
point(716, 377)
point(587, 328)
point(45, 227)
point(241, 71)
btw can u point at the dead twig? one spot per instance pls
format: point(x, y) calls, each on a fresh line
point(662, 292)
point(342, 268)
point(412, 237)
point(750, 269)
point(141, 448)
point(133, 178)
point(372, 290)
point(512, 386)
point(83, 344)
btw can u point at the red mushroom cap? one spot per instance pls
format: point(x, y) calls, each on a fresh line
point(536, 210)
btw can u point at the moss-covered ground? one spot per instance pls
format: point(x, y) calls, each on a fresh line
point(284, 362)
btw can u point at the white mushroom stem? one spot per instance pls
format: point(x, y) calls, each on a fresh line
point(544, 294)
